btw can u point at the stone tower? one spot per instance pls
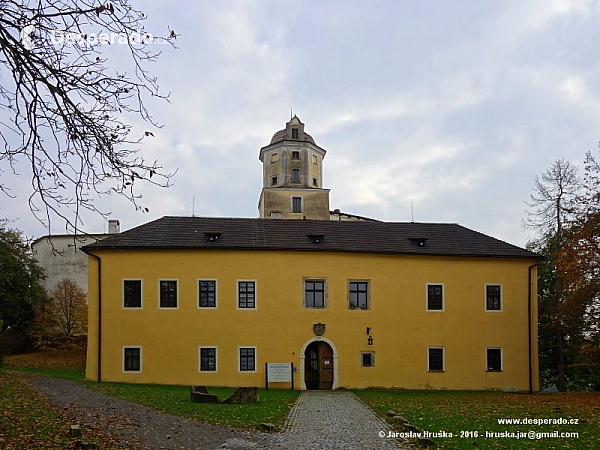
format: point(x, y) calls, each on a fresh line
point(293, 176)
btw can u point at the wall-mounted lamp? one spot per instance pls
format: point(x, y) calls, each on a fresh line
point(370, 340)
point(369, 331)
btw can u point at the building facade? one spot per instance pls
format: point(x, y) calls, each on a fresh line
point(350, 303)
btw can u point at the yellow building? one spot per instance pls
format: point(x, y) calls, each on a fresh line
point(352, 304)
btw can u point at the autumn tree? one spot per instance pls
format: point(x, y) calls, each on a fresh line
point(67, 308)
point(578, 262)
point(553, 207)
point(65, 113)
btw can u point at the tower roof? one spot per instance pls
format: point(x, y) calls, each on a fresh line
point(286, 133)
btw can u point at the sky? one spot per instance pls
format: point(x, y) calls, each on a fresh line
point(435, 111)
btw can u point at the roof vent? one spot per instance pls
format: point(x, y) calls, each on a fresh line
point(114, 226)
point(419, 241)
point(316, 238)
point(211, 236)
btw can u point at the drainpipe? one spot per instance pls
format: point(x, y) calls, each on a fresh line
point(97, 258)
point(529, 308)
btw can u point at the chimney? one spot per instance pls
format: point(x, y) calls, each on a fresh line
point(114, 227)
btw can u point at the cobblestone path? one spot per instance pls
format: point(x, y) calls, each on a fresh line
point(334, 420)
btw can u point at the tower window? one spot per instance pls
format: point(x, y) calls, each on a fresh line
point(296, 204)
point(315, 182)
point(273, 158)
point(295, 175)
point(294, 133)
point(273, 181)
point(295, 155)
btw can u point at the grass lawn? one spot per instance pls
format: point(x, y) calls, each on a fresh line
point(272, 407)
point(469, 414)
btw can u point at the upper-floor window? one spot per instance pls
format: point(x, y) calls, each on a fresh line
point(274, 158)
point(168, 293)
point(207, 293)
point(435, 297)
point(315, 159)
point(274, 180)
point(315, 182)
point(295, 154)
point(296, 204)
point(295, 175)
point(132, 293)
point(358, 294)
point(294, 133)
point(314, 293)
point(493, 297)
point(247, 294)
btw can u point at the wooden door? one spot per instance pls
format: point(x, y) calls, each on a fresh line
point(318, 366)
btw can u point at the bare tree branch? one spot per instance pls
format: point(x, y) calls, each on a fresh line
point(64, 109)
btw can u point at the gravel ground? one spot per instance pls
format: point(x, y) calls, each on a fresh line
point(138, 426)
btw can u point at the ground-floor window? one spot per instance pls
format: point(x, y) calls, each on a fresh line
point(493, 359)
point(435, 359)
point(208, 359)
point(247, 359)
point(132, 359)
point(367, 359)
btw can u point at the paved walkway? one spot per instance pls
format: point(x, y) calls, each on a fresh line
point(333, 420)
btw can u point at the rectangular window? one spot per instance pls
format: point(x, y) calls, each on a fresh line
point(358, 295)
point(247, 294)
point(247, 359)
point(132, 359)
point(294, 133)
point(314, 294)
point(493, 297)
point(367, 359)
point(295, 175)
point(315, 182)
point(296, 204)
point(494, 359)
point(207, 293)
point(295, 155)
point(168, 293)
point(274, 181)
point(435, 297)
point(208, 359)
point(435, 359)
point(315, 160)
point(132, 293)
point(273, 158)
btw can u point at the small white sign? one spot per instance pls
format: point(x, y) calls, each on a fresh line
point(279, 372)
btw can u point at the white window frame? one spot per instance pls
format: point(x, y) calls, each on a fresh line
point(487, 369)
point(158, 294)
point(216, 348)
point(237, 294)
point(123, 358)
point(372, 359)
point(443, 359)
point(239, 359)
point(198, 280)
point(485, 303)
point(126, 308)
point(427, 297)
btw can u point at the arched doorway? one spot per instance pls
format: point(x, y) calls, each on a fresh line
point(319, 366)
